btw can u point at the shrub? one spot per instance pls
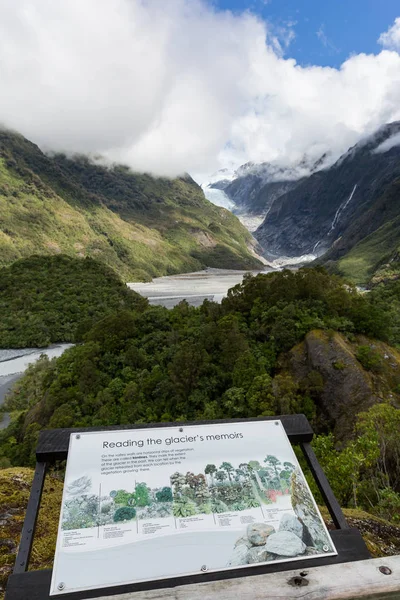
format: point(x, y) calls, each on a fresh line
point(205, 509)
point(125, 513)
point(184, 507)
point(369, 359)
point(164, 495)
point(219, 507)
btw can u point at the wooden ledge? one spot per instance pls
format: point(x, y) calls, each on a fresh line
point(348, 581)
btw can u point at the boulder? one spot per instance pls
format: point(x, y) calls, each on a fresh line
point(259, 554)
point(291, 523)
point(243, 540)
point(311, 551)
point(239, 556)
point(258, 533)
point(285, 543)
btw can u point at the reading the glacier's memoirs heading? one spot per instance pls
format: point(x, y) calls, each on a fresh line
point(156, 503)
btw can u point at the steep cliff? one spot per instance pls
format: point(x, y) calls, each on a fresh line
point(336, 208)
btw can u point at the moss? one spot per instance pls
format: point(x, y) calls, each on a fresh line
point(15, 484)
point(381, 537)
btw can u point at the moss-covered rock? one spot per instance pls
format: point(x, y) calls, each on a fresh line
point(15, 485)
point(348, 385)
point(381, 537)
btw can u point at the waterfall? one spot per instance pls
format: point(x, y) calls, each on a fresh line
point(341, 208)
point(316, 246)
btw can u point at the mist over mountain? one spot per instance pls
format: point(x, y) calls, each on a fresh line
point(335, 208)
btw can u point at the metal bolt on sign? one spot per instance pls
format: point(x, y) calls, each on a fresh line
point(61, 586)
point(204, 568)
point(385, 570)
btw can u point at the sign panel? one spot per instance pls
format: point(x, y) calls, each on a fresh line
point(157, 503)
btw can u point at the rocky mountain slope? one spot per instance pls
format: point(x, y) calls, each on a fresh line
point(253, 187)
point(362, 372)
point(140, 225)
point(336, 208)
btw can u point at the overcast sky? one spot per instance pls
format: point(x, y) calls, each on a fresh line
point(169, 86)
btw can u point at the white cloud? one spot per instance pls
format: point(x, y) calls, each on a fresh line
point(391, 38)
point(389, 143)
point(189, 88)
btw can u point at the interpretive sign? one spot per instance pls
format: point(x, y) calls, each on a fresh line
point(148, 504)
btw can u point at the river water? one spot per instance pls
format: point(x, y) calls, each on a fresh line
point(13, 363)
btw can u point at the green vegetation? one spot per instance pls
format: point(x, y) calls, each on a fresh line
point(279, 343)
point(125, 513)
point(140, 226)
point(365, 473)
point(368, 251)
point(15, 487)
point(47, 299)
point(375, 257)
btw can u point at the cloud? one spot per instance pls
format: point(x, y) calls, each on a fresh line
point(325, 41)
point(190, 88)
point(388, 144)
point(391, 38)
point(321, 35)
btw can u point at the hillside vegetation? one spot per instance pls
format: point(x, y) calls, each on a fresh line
point(139, 225)
point(48, 299)
point(290, 342)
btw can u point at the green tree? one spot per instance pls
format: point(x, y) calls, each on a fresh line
point(210, 470)
point(142, 495)
point(226, 466)
point(221, 476)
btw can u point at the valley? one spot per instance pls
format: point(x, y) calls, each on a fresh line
point(343, 214)
point(269, 325)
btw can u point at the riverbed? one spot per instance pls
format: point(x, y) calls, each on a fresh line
point(210, 284)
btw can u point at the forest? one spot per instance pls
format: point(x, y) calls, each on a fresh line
point(142, 364)
point(50, 299)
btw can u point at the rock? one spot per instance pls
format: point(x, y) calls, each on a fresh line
point(239, 556)
point(285, 543)
point(306, 512)
point(243, 540)
point(311, 551)
point(258, 533)
point(259, 554)
point(291, 523)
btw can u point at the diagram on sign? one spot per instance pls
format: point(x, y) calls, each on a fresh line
point(172, 502)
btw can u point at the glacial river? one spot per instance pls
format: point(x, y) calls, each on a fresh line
point(13, 363)
point(210, 284)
